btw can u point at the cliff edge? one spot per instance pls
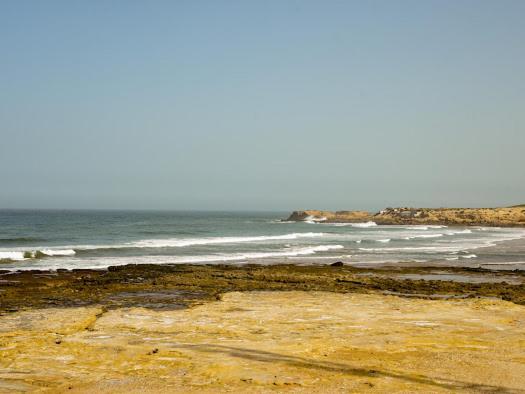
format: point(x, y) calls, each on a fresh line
point(502, 217)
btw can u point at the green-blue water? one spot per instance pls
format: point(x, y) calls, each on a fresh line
point(98, 239)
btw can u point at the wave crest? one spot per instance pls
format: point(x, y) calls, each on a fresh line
point(35, 254)
point(182, 242)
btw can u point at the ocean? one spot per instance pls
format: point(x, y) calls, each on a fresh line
point(46, 239)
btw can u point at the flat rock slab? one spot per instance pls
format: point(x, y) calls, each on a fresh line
point(270, 342)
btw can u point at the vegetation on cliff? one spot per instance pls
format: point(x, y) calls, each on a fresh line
point(507, 216)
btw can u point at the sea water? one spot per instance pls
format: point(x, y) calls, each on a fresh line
point(48, 239)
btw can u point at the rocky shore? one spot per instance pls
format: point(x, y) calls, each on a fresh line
point(224, 328)
point(500, 217)
point(177, 286)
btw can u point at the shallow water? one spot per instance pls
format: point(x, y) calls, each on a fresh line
point(463, 278)
point(98, 239)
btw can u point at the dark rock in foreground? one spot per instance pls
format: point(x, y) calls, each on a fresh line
point(179, 286)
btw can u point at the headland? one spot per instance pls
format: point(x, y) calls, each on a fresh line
point(499, 217)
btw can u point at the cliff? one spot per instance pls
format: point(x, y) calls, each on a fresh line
point(329, 216)
point(503, 217)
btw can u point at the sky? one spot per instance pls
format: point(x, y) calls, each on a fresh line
point(263, 105)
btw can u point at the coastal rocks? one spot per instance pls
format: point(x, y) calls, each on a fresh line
point(403, 212)
point(511, 216)
point(180, 286)
point(500, 217)
point(298, 216)
point(265, 341)
point(328, 216)
point(57, 322)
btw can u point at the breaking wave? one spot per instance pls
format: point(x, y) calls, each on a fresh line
point(356, 225)
point(425, 227)
point(11, 255)
point(425, 236)
point(58, 252)
point(287, 252)
point(181, 242)
point(466, 231)
point(149, 243)
point(363, 225)
point(100, 263)
point(34, 254)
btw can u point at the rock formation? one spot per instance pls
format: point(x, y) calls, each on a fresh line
point(504, 217)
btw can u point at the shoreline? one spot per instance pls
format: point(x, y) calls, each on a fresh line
point(257, 328)
point(164, 286)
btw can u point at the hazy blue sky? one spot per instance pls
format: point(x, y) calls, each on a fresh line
point(261, 104)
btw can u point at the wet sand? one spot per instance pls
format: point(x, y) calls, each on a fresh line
point(262, 329)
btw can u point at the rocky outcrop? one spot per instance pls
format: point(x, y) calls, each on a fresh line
point(503, 217)
point(513, 216)
point(329, 216)
point(270, 341)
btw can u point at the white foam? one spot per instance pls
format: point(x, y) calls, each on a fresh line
point(456, 245)
point(425, 236)
point(313, 219)
point(364, 225)
point(292, 252)
point(384, 240)
point(424, 227)
point(429, 249)
point(357, 225)
point(69, 250)
point(466, 231)
point(12, 255)
point(420, 228)
point(19, 254)
point(408, 248)
point(99, 263)
point(58, 252)
point(182, 242)
point(469, 256)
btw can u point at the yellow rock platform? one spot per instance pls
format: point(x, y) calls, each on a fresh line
point(269, 342)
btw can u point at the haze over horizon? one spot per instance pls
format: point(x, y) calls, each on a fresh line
point(261, 105)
